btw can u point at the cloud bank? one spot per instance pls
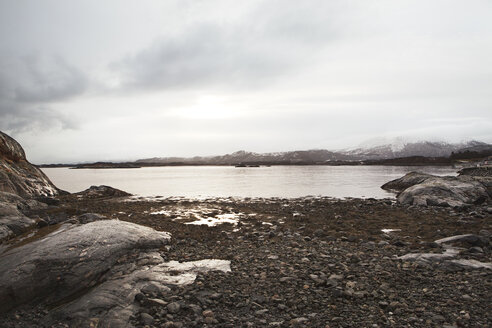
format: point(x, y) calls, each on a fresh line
point(121, 80)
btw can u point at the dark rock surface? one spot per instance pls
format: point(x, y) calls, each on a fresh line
point(102, 192)
point(483, 171)
point(21, 184)
point(453, 251)
point(69, 260)
point(90, 270)
point(406, 181)
point(17, 175)
point(13, 210)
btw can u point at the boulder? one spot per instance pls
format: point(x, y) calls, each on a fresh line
point(20, 177)
point(69, 260)
point(93, 274)
point(98, 192)
point(408, 180)
point(450, 258)
point(469, 239)
point(445, 191)
point(114, 301)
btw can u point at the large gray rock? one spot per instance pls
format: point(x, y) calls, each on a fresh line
point(69, 260)
point(98, 192)
point(13, 210)
point(406, 181)
point(113, 302)
point(90, 273)
point(423, 189)
point(18, 176)
point(445, 191)
point(450, 257)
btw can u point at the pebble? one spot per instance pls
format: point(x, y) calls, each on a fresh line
point(147, 318)
point(208, 313)
point(298, 321)
point(173, 307)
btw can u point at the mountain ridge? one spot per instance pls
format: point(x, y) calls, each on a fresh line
point(320, 156)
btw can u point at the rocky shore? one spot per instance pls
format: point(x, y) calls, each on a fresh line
point(293, 262)
point(104, 258)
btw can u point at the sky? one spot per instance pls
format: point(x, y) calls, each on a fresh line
point(118, 80)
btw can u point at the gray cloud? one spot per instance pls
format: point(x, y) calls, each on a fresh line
point(261, 75)
point(270, 41)
point(205, 54)
point(28, 87)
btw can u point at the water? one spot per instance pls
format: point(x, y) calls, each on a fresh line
point(224, 181)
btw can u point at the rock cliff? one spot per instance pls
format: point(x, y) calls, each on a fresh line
point(20, 177)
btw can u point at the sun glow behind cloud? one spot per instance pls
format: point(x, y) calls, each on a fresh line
point(208, 107)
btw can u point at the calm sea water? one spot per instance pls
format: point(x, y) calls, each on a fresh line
point(223, 181)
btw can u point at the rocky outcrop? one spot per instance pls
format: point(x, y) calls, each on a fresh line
point(98, 192)
point(406, 181)
point(18, 176)
point(92, 272)
point(13, 210)
point(482, 171)
point(86, 269)
point(69, 260)
point(20, 184)
point(423, 189)
point(450, 258)
point(445, 192)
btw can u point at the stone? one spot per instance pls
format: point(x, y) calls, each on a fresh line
point(208, 313)
point(407, 181)
point(99, 192)
point(470, 239)
point(90, 217)
point(41, 223)
point(173, 307)
point(298, 321)
point(13, 210)
point(139, 297)
point(157, 301)
point(146, 318)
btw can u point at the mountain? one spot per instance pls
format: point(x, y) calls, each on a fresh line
point(400, 149)
point(422, 148)
point(245, 157)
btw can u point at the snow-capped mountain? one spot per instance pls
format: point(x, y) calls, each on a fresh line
point(407, 149)
point(369, 151)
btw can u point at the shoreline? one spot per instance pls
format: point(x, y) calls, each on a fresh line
point(303, 262)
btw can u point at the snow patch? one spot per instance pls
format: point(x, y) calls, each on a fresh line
point(389, 230)
point(214, 221)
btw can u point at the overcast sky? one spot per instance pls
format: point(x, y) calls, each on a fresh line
point(122, 80)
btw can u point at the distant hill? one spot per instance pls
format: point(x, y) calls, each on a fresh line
point(291, 157)
point(371, 155)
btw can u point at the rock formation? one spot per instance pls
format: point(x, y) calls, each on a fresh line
point(450, 257)
point(423, 189)
point(18, 176)
point(86, 269)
